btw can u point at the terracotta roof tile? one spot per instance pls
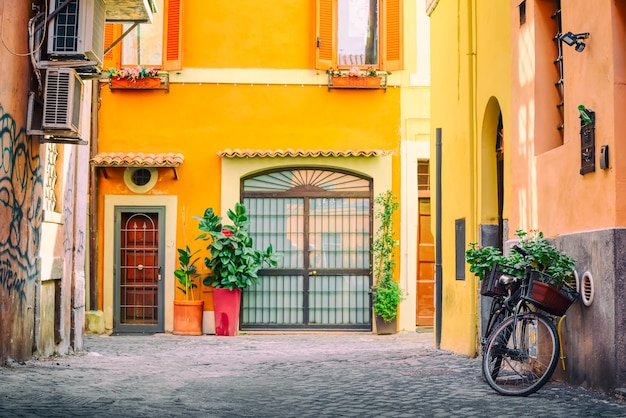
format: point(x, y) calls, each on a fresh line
point(290, 152)
point(130, 159)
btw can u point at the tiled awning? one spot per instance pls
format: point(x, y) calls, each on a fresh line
point(130, 159)
point(290, 152)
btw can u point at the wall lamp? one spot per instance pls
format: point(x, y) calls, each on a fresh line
point(574, 39)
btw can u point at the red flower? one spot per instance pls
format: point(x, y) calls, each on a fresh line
point(227, 233)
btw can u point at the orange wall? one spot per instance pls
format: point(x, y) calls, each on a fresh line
point(249, 34)
point(198, 120)
point(552, 195)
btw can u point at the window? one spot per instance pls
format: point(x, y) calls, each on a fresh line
point(423, 175)
point(157, 44)
point(359, 32)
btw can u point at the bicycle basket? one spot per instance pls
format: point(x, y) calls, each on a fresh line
point(547, 297)
point(489, 286)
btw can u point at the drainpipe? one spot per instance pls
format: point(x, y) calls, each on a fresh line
point(438, 272)
point(473, 154)
point(93, 200)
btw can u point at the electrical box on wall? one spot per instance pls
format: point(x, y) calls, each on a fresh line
point(604, 157)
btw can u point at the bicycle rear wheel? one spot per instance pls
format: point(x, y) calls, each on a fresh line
point(521, 354)
point(497, 315)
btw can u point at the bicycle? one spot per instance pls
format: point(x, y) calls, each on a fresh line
point(522, 349)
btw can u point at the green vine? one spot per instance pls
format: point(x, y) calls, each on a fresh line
point(387, 293)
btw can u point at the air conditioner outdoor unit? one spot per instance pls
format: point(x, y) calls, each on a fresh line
point(62, 102)
point(77, 31)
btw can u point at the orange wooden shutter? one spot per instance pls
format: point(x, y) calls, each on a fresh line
point(172, 35)
point(112, 59)
point(392, 36)
point(325, 34)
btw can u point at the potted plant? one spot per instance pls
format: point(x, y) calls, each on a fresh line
point(233, 261)
point(137, 77)
point(188, 312)
point(387, 295)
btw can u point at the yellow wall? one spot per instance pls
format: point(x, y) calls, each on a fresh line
point(470, 59)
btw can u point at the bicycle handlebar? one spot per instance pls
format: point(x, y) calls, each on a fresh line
point(521, 251)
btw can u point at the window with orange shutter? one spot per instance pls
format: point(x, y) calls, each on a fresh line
point(151, 45)
point(359, 33)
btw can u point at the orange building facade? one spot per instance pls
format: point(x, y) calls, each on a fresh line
point(567, 175)
point(245, 112)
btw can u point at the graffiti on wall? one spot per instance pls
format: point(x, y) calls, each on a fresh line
point(21, 194)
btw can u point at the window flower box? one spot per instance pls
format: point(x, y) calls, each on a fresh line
point(356, 78)
point(137, 78)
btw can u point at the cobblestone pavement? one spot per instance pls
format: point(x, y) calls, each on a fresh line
point(274, 375)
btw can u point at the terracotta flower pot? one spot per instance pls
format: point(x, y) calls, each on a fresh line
point(359, 82)
point(385, 328)
point(188, 317)
point(138, 84)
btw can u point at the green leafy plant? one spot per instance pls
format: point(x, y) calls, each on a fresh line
point(557, 268)
point(387, 294)
point(482, 259)
point(187, 272)
point(233, 261)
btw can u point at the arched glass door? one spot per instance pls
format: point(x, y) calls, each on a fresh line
point(320, 222)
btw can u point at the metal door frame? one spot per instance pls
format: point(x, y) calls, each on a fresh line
point(148, 328)
point(306, 194)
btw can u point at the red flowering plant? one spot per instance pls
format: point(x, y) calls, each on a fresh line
point(133, 73)
point(233, 261)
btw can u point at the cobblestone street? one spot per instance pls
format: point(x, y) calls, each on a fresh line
point(274, 375)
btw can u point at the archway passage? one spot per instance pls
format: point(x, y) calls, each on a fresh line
point(319, 221)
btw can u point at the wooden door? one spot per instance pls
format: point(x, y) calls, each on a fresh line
point(425, 280)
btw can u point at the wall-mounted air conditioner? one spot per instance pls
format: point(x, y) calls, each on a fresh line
point(62, 99)
point(77, 31)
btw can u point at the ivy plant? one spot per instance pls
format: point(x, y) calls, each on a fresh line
point(387, 294)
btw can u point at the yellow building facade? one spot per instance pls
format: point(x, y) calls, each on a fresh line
point(470, 105)
point(245, 99)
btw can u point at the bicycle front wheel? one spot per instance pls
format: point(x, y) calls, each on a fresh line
point(521, 354)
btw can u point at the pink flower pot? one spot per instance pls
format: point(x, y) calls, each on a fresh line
point(226, 305)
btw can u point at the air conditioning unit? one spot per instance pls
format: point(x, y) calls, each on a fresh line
point(77, 31)
point(62, 100)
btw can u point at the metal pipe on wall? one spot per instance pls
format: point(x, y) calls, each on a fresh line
point(438, 272)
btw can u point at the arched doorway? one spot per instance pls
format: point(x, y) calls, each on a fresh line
point(320, 222)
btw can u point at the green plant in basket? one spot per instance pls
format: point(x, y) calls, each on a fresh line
point(482, 259)
point(557, 268)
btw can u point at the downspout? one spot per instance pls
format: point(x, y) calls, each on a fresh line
point(473, 155)
point(438, 246)
point(93, 200)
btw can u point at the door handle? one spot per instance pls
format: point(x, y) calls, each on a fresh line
point(159, 274)
point(313, 273)
point(140, 267)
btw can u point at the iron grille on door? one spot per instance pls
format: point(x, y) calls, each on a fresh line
point(320, 224)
